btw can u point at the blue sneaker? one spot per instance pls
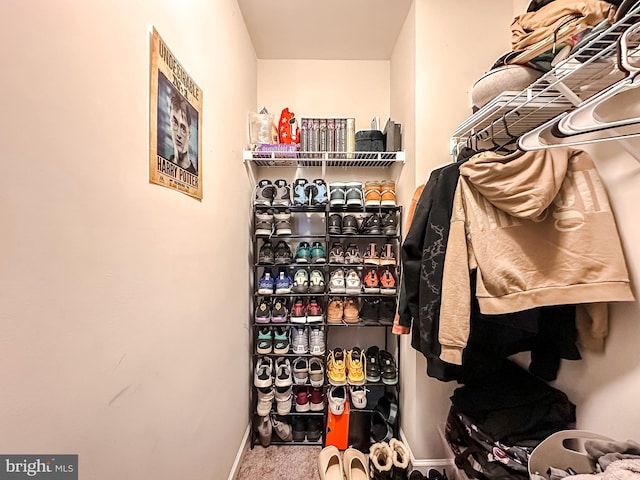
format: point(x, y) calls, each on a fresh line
point(283, 283)
point(299, 192)
point(267, 283)
point(320, 191)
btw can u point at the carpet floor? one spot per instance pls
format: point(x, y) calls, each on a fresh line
point(279, 462)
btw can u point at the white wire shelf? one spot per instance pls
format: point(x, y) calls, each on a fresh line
point(324, 159)
point(592, 67)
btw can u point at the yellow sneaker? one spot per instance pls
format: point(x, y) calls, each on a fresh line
point(388, 191)
point(356, 364)
point(336, 367)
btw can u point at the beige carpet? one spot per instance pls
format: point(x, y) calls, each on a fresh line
point(279, 462)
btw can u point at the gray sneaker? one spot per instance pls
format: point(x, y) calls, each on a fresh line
point(264, 222)
point(265, 191)
point(265, 401)
point(299, 340)
point(264, 429)
point(316, 340)
point(354, 194)
point(282, 195)
point(283, 400)
point(282, 222)
point(281, 428)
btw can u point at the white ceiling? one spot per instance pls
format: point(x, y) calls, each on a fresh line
point(324, 30)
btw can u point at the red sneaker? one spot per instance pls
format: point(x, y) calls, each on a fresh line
point(298, 312)
point(371, 282)
point(314, 311)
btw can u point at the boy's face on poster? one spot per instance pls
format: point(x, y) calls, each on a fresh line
point(180, 130)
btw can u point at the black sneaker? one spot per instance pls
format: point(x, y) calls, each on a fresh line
point(336, 254)
point(282, 253)
point(371, 225)
point(314, 429)
point(266, 255)
point(387, 311)
point(372, 370)
point(299, 429)
point(390, 224)
point(282, 194)
point(320, 197)
point(349, 225)
point(335, 224)
point(388, 368)
point(264, 222)
point(370, 311)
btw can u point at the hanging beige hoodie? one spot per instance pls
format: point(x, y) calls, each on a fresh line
point(532, 27)
point(539, 229)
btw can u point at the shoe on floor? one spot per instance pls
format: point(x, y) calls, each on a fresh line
point(330, 464)
point(356, 465)
point(380, 461)
point(264, 429)
point(337, 398)
point(400, 457)
point(282, 428)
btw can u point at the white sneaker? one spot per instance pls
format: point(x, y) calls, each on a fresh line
point(336, 282)
point(265, 401)
point(358, 396)
point(300, 371)
point(283, 372)
point(337, 399)
point(316, 372)
point(299, 340)
point(353, 283)
point(316, 340)
point(283, 400)
point(262, 373)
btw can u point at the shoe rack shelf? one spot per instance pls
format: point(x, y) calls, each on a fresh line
point(319, 231)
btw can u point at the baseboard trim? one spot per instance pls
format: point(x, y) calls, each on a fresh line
point(243, 446)
point(423, 464)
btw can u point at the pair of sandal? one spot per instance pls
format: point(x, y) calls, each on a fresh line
point(384, 418)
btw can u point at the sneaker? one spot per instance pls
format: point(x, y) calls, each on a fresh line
point(336, 282)
point(371, 224)
point(370, 311)
point(314, 311)
point(335, 224)
point(279, 311)
point(337, 398)
point(353, 283)
point(265, 191)
point(387, 283)
point(336, 367)
point(282, 197)
point(316, 282)
point(265, 430)
point(262, 373)
point(301, 395)
point(372, 194)
point(263, 312)
point(283, 253)
point(389, 224)
point(264, 344)
point(300, 281)
point(299, 340)
point(299, 429)
point(336, 254)
point(387, 311)
point(282, 220)
point(266, 284)
point(371, 282)
point(284, 377)
point(358, 395)
point(372, 370)
point(354, 194)
point(314, 427)
point(320, 197)
point(281, 340)
point(316, 372)
point(371, 255)
point(316, 340)
point(350, 311)
point(316, 399)
point(337, 194)
point(299, 194)
point(387, 257)
point(317, 253)
point(335, 310)
point(388, 193)
point(303, 253)
point(300, 371)
point(349, 225)
point(282, 428)
point(356, 362)
point(283, 397)
point(298, 312)
point(388, 368)
point(265, 401)
point(352, 254)
point(264, 222)
point(265, 255)
point(283, 283)
point(310, 190)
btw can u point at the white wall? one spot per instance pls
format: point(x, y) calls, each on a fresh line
point(123, 320)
